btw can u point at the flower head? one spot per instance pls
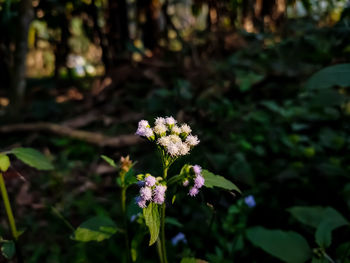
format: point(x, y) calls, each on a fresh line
point(176, 130)
point(199, 181)
point(197, 169)
point(172, 149)
point(186, 182)
point(183, 148)
point(160, 129)
point(170, 120)
point(143, 124)
point(193, 191)
point(186, 128)
point(146, 193)
point(159, 121)
point(180, 237)
point(150, 181)
point(192, 140)
point(250, 201)
point(140, 202)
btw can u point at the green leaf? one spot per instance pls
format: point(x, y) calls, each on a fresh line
point(337, 75)
point(95, 229)
point(324, 219)
point(8, 249)
point(212, 180)
point(331, 221)
point(110, 161)
point(4, 162)
point(152, 219)
point(288, 246)
point(188, 260)
point(130, 178)
point(32, 158)
point(173, 221)
point(319, 260)
point(308, 215)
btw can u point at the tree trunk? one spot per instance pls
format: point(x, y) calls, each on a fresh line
point(25, 16)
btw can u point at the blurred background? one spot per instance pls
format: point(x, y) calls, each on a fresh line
point(257, 80)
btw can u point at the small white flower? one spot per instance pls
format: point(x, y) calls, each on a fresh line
point(192, 140)
point(183, 148)
point(172, 149)
point(186, 128)
point(143, 124)
point(170, 120)
point(159, 121)
point(176, 130)
point(148, 132)
point(160, 129)
point(164, 141)
point(174, 138)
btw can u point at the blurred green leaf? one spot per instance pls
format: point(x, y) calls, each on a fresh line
point(188, 260)
point(4, 162)
point(152, 219)
point(110, 161)
point(97, 229)
point(337, 75)
point(212, 180)
point(32, 158)
point(287, 246)
point(8, 249)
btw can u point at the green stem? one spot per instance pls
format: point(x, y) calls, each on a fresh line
point(162, 222)
point(159, 249)
point(127, 243)
point(8, 208)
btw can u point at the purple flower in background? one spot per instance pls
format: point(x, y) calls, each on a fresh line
point(140, 202)
point(141, 183)
point(193, 191)
point(180, 237)
point(250, 201)
point(150, 180)
point(159, 194)
point(199, 181)
point(159, 199)
point(197, 169)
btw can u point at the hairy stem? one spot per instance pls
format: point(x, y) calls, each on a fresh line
point(126, 234)
point(162, 221)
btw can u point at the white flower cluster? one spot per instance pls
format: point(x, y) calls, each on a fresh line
point(175, 139)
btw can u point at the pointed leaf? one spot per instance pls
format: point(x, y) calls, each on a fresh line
point(288, 246)
point(152, 219)
point(110, 161)
point(32, 158)
point(95, 229)
point(212, 180)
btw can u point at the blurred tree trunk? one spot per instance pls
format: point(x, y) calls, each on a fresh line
point(117, 31)
point(149, 14)
point(62, 49)
point(18, 85)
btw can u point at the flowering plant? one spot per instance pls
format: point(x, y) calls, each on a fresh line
point(173, 141)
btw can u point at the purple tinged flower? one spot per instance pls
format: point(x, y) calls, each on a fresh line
point(250, 201)
point(197, 169)
point(140, 131)
point(150, 181)
point(199, 181)
point(180, 237)
point(146, 193)
point(159, 199)
point(148, 132)
point(143, 124)
point(140, 202)
point(192, 140)
point(193, 191)
point(160, 189)
point(186, 183)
